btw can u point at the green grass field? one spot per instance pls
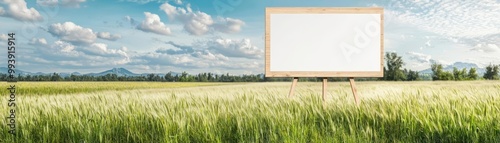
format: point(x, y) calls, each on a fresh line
point(254, 112)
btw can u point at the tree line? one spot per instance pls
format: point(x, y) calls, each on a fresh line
point(492, 73)
point(169, 77)
point(393, 71)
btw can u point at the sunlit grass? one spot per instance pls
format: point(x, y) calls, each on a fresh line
point(262, 112)
point(51, 88)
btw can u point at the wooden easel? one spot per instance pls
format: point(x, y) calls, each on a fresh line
point(325, 80)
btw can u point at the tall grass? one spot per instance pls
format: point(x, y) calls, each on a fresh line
point(262, 112)
point(52, 88)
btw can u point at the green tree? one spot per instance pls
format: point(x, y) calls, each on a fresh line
point(176, 78)
point(3, 77)
point(184, 77)
point(491, 72)
point(447, 76)
point(151, 77)
point(55, 77)
point(210, 77)
point(463, 74)
point(28, 78)
point(73, 77)
point(169, 77)
point(457, 74)
point(393, 70)
point(411, 75)
point(202, 77)
point(110, 77)
point(437, 71)
point(472, 74)
point(20, 77)
point(439, 74)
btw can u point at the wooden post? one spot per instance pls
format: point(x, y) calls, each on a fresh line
point(325, 80)
point(354, 92)
point(295, 80)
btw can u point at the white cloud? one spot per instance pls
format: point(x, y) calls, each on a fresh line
point(69, 63)
point(235, 48)
point(65, 3)
point(153, 24)
point(19, 10)
point(65, 48)
point(428, 43)
point(487, 48)
point(76, 47)
point(66, 54)
point(196, 23)
point(228, 25)
point(3, 37)
point(196, 60)
point(123, 48)
point(200, 23)
point(72, 3)
point(68, 31)
point(183, 59)
point(47, 2)
point(216, 53)
point(207, 55)
point(108, 36)
point(40, 41)
point(454, 40)
point(180, 49)
point(102, 49)
point(99, 48)
point(249, 65)
point(442, 62)
point(198, 51)
point(41, 60)
point(388, 43)
point(130, 20)
point(148, 1)
point(2, 11)
point(422, 58)
point(458, 19)
point(219, 49)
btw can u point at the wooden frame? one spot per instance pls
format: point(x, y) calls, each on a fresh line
point(324, 10)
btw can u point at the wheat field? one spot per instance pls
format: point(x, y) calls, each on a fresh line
point(425, 111)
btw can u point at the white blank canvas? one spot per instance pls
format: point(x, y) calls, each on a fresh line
point(314, 42)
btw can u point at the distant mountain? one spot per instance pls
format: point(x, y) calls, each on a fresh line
point(125, 72)
point(5, 70)
point(117, 71)
point(459, 66)
point(69, 74)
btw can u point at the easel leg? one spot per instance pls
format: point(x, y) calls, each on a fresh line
point(325, 80)
point(354, 91)
point(295, 80)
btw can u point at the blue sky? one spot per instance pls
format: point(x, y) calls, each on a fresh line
point(226, 36)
